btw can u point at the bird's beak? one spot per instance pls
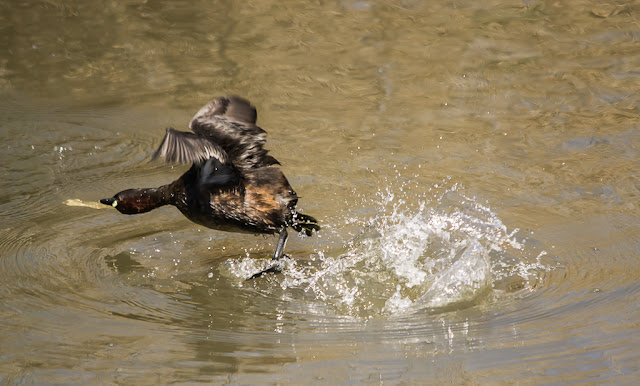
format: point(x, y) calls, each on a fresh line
point(109, 201)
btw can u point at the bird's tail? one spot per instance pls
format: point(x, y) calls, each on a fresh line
point(306, 223)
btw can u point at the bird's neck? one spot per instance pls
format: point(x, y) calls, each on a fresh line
point(147, 199)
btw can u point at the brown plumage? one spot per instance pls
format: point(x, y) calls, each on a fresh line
point(233, 184)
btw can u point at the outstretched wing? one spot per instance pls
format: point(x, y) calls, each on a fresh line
point(184, 148)
point(230, 122)
point(215, 167)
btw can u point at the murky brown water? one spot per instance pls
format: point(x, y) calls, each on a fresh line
point(474, 166)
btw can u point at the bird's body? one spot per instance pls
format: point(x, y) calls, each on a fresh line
point(233, 184)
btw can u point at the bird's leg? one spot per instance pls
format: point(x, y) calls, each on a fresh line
point(276, 267)
point(282, 241)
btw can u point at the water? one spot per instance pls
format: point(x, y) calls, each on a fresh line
point(474, 167)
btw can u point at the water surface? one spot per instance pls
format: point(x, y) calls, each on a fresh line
point(474, 167)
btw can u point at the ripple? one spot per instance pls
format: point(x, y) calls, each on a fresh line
point(45, 160)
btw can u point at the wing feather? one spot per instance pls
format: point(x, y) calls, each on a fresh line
point(230, 123)
point(184, 148)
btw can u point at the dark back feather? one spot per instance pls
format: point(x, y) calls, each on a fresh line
point(230, 122)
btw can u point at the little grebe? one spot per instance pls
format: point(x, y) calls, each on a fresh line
point(233, 184)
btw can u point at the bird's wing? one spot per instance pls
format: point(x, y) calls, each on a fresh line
point(215, 169)
point(184, 148)
point(230, 122)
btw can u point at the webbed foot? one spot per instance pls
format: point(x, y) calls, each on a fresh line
point(276, 266)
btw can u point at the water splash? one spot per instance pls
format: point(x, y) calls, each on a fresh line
point(432, 254)
point(463, 281)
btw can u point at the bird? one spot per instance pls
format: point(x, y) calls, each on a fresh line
point(233, 184)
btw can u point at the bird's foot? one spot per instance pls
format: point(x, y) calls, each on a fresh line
point(275, 266)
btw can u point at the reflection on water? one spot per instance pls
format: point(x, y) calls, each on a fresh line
point(474, 168)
